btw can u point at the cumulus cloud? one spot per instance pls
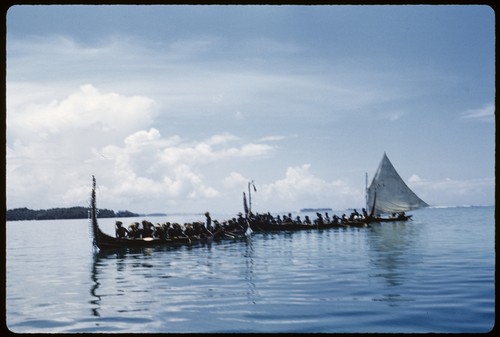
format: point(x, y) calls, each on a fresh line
point(54, 148)
point(235, 179)
point(88, 107)
point(204, 151)
point(301, 188)
point(147, 167)
point(51, 144)
point(175, 169)
point(142, 137)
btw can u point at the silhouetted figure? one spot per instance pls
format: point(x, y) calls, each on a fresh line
point(319, 221)
point(120, 231)
point(365, 213)
point(147, 229)
point(134, 231)
point(209, 221)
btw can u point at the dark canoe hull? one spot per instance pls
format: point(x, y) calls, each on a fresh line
point(257, 226)
point(392, 219)
point(268, 227)
point(105, 241)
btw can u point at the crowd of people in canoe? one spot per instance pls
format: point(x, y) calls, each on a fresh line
point(199, 229)
point(355, 219)
point(319, 221)
point(238, 226)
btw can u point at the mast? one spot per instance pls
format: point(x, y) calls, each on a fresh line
point(366, 191)
point(93, 213)
point(250, 183)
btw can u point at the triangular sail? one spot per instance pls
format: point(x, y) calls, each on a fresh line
point(389, 192)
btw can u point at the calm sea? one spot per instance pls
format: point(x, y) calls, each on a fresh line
point(433, 274)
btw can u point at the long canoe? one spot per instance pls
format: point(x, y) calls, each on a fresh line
point(105, 241)
point(265, 226)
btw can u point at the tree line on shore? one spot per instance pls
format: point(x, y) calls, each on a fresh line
point(77, 212)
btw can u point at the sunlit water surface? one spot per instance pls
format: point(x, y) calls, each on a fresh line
point(433, 274)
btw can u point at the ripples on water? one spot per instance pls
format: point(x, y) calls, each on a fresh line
point(435, 274)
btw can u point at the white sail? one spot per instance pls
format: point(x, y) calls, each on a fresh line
point(388, 193)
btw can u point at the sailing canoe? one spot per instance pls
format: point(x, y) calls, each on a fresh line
point(389, 194)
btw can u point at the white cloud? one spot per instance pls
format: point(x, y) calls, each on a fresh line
point(414, 179)
point(204, 152)
point(142, 137)
point(221, 139)
point(235, 179)
point(55, 147)
point(273, 138)
point(110, 113)
point(485, 114)
point(164, 170)
point(301, 188)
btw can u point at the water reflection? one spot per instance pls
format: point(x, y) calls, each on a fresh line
point(103, 261)
point(97, 266)
point(170, 278)
point(96, 301)
point(252, 293)
point(389, 247)
point(391, 252)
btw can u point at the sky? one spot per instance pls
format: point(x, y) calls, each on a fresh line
point(176, 109)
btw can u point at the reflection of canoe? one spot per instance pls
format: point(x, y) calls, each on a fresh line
point(105, 241)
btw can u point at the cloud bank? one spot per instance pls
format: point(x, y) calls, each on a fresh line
point(54, 148)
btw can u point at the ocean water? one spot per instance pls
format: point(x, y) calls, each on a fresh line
point(432, 274)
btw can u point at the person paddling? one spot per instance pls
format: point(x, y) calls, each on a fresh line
point(120, 231)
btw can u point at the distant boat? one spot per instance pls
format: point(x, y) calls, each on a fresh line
point(389, 194)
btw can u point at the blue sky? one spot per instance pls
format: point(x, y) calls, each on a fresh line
point(177, 108)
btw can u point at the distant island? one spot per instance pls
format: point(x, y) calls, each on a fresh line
point(154, 214)
point(77, 212)
point(316, 210)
